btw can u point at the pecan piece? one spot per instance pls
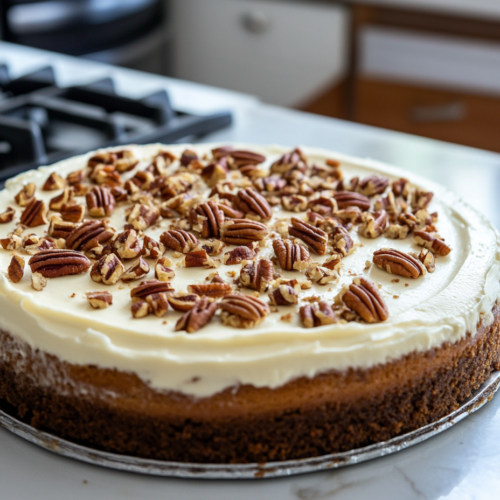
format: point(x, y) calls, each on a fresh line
point(38, 282)
point(342, 241)
point(197, 317)
point(397, 262)
point(16, 269)
point(346, 199)
point(72, 213)
point(100, 300)
point(143, 216)
point(108, 270)
point(238, 254)
point(373, 224)
point(257, 275)
point(293, 160)
point(64, 198)
point(322, 275)
point(317, 314)
point(433, 243)
point(60, 229)
point(100, 202)
point(76, 177)
point(243, 311)
point(179, 240)
point(294, 203)
point(7, 216)
point(88, 235)
point(427, 259)
point(207, 219)
point(231, 212)
point(372, 185)
point(242, 231)
point(55, 263)
point(284, 295)
point(54, 182)
point(34, 214)
point(212, 290)
point(162, 271)
point(198, 258)
point(253, 204)
point(270, 184)
point(136, 271)
point(396, 232)
point(316, 238)
point(291, 256)
point(364, 298)
point(127, 245)
point(182, 301)
point(150, 287)
point(151, 248)
point(158, 304)
point(26, 194)
point(215, 172)
point(140, 309)
point(12, 242)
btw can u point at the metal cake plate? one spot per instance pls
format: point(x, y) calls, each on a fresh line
point(246, 471)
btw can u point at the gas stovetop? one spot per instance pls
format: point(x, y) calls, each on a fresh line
point(41, 122)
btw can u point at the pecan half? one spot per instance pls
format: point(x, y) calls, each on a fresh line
point(317, 314)
point(197, 317)
point(284, 295)
point(38, 282)
point(179, 240)
point(60, 229)
point(237, 255)
point(182, 301)
point(100, 202)
point(291, 256)
point(34, 214)
point(212, 290)
point(100, 300)
point(150, 287)
point(163, 271)
point(55, 263)
point(397, 262)
point(136, 271)
point(16, 268)
point(316, 238)
point(231, 212)
point(242, 231)
point(253, 204)
point(72, 213)
point(364, 298)
point(26, 194)
point(243, 311)
point(158, 304)
point(257, 275)
point(346, 199)
point(207, 219)
point(342, 241)
point(143, 216)
point(372, 185)
point(53, 182)
point(373, 224)
point(89, 235)
point(108, 270)
point(433, 243)
point(127, 245)
point(7, 216)
point(64, 198)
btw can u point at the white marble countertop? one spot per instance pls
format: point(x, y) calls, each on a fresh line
point(461, 463)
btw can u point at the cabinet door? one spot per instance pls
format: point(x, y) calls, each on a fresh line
point(283, 52)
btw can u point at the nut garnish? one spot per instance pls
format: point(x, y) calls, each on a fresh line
point(197, 317)
point(291, 256)
point(108, 270)
point(396, 262)
point(257, 275)
point(179, 240)
point(207, 219)
point(55, 263)
point(373, 224)
point(253, 204)
point(34, 214)
point(60, 229)
point(140, 309)
point(182, 301)
point(322, 275)
point(54, 182)
point(427, 259)
point(316, 238)
point(162, 271)
point(72, 213)
point(237, 255)
point(347, 199)
point(284, 295)
point(317, 314)
point(199, 258)
point(243, 311)
point(342, 241)
point(151, 248)
point(214, 173)
point(432, 242)
point(158, 304)
point(100, 202)
point(136, 271)
point(26, 194)
point(38, 282)
point(370, 186)
point(212, 290)
point(88, 235)
point(289, 161)
point(16, 268)
point(100, 300)
point(294, 203)
point(242, 231)
point(64, 198)
point(364, 298)
point(397, 232)
point(12, 242)
point(127, 245)
point(143, 216)
point(7, 216)
point(150, 287)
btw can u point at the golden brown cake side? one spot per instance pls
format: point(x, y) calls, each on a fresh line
point(117, 412)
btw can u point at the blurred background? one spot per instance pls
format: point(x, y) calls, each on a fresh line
point(426, 67)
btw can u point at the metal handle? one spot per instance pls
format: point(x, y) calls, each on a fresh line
point(256, 21)
point(447, 112)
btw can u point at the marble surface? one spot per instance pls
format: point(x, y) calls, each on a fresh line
point(461, 463)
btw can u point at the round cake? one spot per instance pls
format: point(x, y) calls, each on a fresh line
point(239, 303)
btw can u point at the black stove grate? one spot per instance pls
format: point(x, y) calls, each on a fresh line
point(41, 123)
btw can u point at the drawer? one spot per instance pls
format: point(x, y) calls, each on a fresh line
point(459, 117)
point(283, 52)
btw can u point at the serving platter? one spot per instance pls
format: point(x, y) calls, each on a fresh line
point(248, 471)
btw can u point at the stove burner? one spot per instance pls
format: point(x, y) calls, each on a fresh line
point(41, 123)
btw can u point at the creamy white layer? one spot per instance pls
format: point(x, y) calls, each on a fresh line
point(424, 313)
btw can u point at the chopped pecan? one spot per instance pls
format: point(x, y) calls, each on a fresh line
point(140, 309)
point(346, 199)
point(333, 262)
point(322, 275)
point(100, 300)
point(242, 231)
point(182, 301)
point(106, 174)
point(55, 263)
point(12, 242)
point(188, 156)
point(432, 242)
point(316, 238)
point(238, 158)
point(397, 262)
point(349, 214)
point(253, 204)
point(197, 317)
point(143, 216)
point(243, 311)
point(422, 198)
point(34, 214)
point(72, 213)
point(151, 248)
point(364, 298)
point(26, 194)
point(119, 193)
point(212, 290)
point(373, 224)
point(136, 271)
point(342, 241)
point(214, 173)
point(64, 198)
point(213, 247)
point(284, 295)
point(33, 244)
point(7, 216)
point(75, 177)
point(291, 256)
point(197, 258)
point(163, 271)
point(271, 184)
point(158, 304)
point(179, 240)
point(38, 282)
point(427, 259)
point(88, 235)
point(80, 189)
point(238, 254)
point(60, 229)
point(127, 245)
point(54, 182)
point(100, 202)
point(401, 187)
point(294, 203)
point(257, 275)
point(317, 314)
point(108, 270)
point(207, 219)
point(143, 180)
point(150, 287)
point(396, 232)
point(372, 185)
point(124, 160)
point(292, 160)
point(252, 171)
point(323, 205)
point(16, 268)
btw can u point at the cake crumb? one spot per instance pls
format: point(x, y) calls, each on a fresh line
point(72, 296)
point(164, 322)
point(395, 296)
point(395, 280)
point(407, 284)
point(121, 287)
point(231, 274)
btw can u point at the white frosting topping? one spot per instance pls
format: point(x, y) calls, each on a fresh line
point(424, 313)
